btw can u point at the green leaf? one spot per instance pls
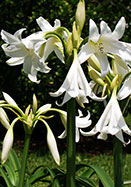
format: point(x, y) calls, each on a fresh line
point(105, 179)
point(5, 177)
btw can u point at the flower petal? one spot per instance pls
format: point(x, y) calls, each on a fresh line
point(119, 29)
point(4, 119)
point(15, 61)
point(9, 100)
point(7, 144)
point(44, 24)
point(52, 145)
point(125, 90)
point(93, 31)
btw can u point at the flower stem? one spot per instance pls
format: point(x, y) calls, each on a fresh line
point(71, 144)
point(118, 163)
point(24, 159)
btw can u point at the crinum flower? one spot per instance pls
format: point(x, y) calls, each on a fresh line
point(21, 51)
point(80, 122)
point(44, 49)
point(76, 85)
point(107, 42)
point(29, 118)
point(111, 122)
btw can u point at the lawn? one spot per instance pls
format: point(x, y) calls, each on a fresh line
point(105, 161)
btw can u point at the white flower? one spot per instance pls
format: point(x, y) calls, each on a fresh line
point(52, 44)
point(104, 43)
point(111, 122)
point(21, 51)
point(75, 85)
point(125, 90)
point(80, 122)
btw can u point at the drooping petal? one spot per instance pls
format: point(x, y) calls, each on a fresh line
point(93, 31)
point(119, 29)
point(125, 90)
point(9, 100)
point(7, 144)
point(52, 145)
point(18, 33)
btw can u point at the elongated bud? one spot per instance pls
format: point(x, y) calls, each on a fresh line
point(93, 62)
point(34, 103)
point(69, 44)
point(80, 14)
point(114, 82)
point(75, 36)
point(95, 76)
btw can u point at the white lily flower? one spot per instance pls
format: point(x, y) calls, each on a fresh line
point(111, 122)
point(52, 44)
point(104, 43)
point(125, 90)
point(4, 118)
point(7, 144)
point(80, 122)
point(76, 85)
point(21, 51)
point(52, 144)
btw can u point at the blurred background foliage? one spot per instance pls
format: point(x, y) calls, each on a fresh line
point(16, 14)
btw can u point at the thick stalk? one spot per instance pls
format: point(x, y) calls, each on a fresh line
point(71, 144)
point(24, 159)
point(118, 163)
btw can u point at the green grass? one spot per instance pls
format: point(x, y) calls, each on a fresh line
point(104, 161)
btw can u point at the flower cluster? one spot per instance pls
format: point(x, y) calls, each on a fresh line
point(108, 60)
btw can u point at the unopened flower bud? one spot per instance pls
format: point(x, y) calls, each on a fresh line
point(34, 103)
point(93, 62)
point(80, 14)
point(95, 76)
point(114, 82)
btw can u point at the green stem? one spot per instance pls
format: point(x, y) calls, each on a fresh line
point(71, 144)
point(118, 163)
point(24, 159)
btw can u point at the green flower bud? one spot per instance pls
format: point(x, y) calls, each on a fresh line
point(95, 76)
point(80, 14)
point(114, 82)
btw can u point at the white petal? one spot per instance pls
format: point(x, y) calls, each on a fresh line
point(86, 51)
point(125, 90)
point(105, 67)
point(44, 24)
point(4, 119)
point(89, 133)
point(7, 144)
point(18, 33)
point(93, 31)
point(9, 100)
point(105, 29)
point(57, 23)
point(52, 145)
point(15, 61)
point(15, 50)
point(63, 135)
point(119, 29)
point(8, 38)
point(44, 108)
